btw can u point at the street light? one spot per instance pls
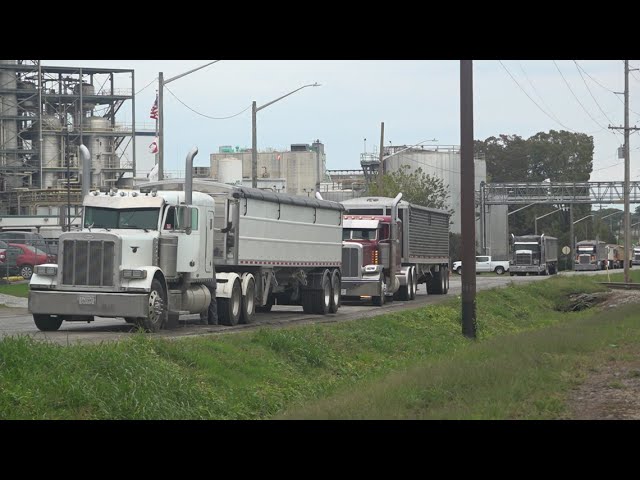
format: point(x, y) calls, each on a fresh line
point(254, 135)
point(161, 83)
point(583, 218)
point(542, 216)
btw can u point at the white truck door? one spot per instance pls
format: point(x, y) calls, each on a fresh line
point(483, 264)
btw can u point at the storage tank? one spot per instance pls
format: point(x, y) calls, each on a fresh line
point(28, 95)
point(52, 154)
point(87, 90)
point(102, 151)
point(230, 171)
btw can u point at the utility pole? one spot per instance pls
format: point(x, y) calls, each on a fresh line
point(381, 165)
point(467, 201)
point(626, 128)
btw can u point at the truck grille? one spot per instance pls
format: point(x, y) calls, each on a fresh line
point(523, 259)
point(637, 258)
point(88, 262)
point(585, 259)
point(350, 262)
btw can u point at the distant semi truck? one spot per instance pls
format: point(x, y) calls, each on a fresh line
point(536, 254)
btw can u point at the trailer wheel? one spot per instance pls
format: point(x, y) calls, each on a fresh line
point(378, 301)
point(248, 303)
point(157, 316)
point(437, 282)
point(335, 292)
point(445, 288)
point(229, 308)
point(414, 284)
point(322, 297)
point(47, 323)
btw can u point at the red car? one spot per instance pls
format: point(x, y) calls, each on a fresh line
point(30, 256)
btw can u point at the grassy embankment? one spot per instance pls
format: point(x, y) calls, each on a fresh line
point(412, 364)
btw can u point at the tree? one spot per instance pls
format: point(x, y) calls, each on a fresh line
point(416, 186)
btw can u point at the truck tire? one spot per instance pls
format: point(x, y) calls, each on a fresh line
point(47, 323)
point(499, 270)
point(378, 301)
point(322, 297)
point(248, 303)
point(229, 308)
point(210, 316)
point(459, 270)
point(414, 285)
point(445, 286)
point(437, 282)
point(335, 292)
point(157, 316)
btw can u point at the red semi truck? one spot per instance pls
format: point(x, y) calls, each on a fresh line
point(390, 247)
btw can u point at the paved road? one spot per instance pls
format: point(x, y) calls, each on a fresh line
point(18, 321)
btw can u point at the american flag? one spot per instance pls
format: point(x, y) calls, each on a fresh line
point(154, 109)
point(153, 147)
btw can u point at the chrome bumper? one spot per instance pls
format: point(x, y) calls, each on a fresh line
point(89, 303)
point(361, 287)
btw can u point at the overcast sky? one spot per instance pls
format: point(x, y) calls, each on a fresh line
point(417, 100)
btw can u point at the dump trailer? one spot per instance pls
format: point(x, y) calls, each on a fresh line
point(535, 254)
point(635, 260)
point(390, 247)
point(590, 255)
point(153, 253)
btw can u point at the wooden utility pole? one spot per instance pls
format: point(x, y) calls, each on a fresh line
point(627, 215)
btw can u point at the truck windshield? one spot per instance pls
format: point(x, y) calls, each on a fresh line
point(133, 218)
point(358, 234)
point(527, 246)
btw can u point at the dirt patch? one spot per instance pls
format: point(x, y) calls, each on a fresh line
point(612, 391)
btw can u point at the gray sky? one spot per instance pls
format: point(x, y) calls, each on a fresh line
point(417, 100)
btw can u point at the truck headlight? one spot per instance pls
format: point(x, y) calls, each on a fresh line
point(139, 274)
point(371, 268)
point(48, 270)
point(536, 261)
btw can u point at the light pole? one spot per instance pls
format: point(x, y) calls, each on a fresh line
point(161, 83)
point(542, 216)
point(254, 135)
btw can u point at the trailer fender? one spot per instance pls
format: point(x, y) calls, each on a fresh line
point(245, 282)
point(224, 281)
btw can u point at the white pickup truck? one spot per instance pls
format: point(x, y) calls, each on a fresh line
point(485, 264)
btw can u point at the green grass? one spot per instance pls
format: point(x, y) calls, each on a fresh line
point(15, 289)
point(411, 364)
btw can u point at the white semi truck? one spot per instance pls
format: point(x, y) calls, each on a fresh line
point(153, 253)
point(391, 246)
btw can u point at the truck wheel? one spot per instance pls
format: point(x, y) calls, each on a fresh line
point(229, 308)
point(445, 286)
point(459, 270)
point(335, 292)
point(47, 323)
point(248, 303)
point(211, 315)
point(26, 271)
point(322, 297)
point(378, 301)
point(437, 282)
point(157, 316)
point(499, 270)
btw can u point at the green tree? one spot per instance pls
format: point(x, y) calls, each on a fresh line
point(416, 186)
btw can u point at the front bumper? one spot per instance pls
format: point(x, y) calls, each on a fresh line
point(89, 303)
point(525, 268)
point(585, 267)
point(360, 287)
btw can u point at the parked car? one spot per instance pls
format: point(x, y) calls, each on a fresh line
point(30, 257)
point(8, 258)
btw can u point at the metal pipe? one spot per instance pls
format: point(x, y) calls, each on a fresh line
point(86, 170)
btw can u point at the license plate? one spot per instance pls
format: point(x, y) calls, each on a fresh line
point(87, 300)
point(343, 291)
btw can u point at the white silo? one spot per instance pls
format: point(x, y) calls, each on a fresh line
point(52, 154)
point(230, 171)
point(101, 147)
point(8, 124)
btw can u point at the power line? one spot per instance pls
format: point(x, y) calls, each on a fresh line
point(590, 93)
point(202, 114)
point(536, 104)
point(146, 85)
point(577, 99)
point(538, 93)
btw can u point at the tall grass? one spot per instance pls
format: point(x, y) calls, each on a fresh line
point(291, 372)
